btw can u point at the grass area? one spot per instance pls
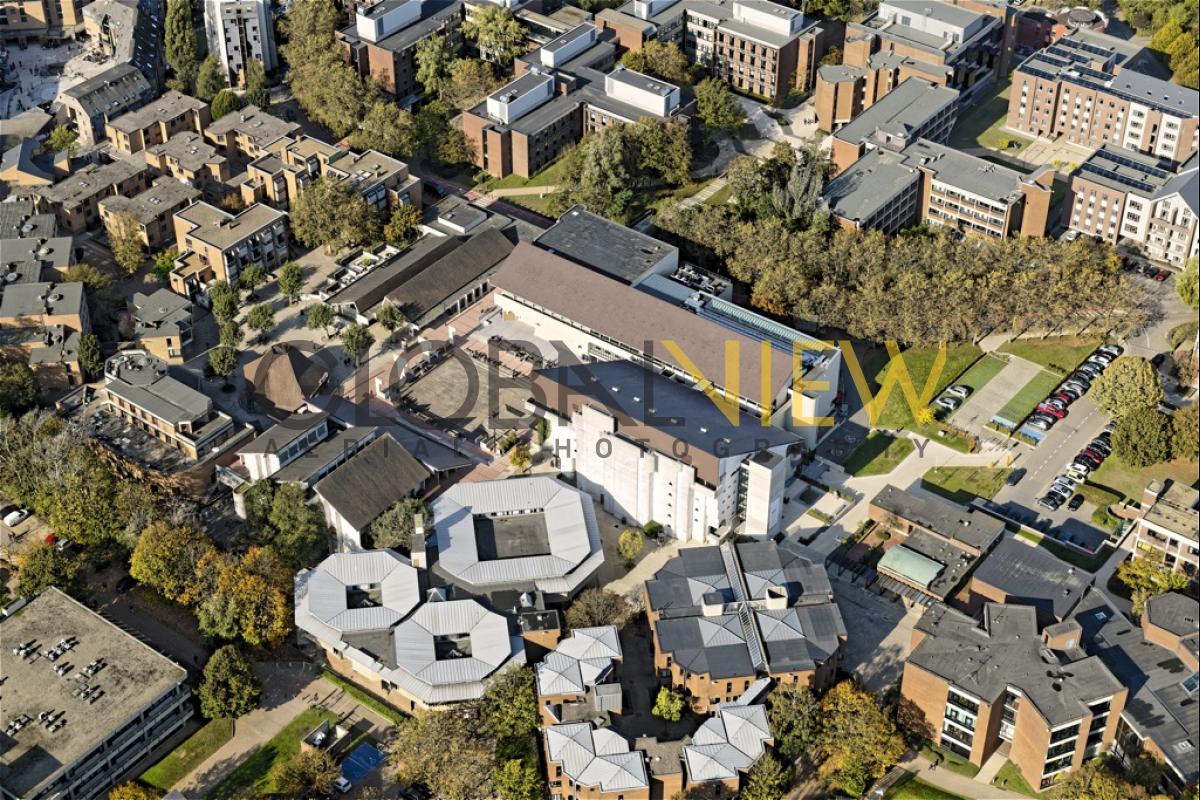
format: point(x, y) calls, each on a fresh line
point(721, 196)
point(364, 697)
point(1100, 496)
point(669, 197)
point(981, 372)
point(192, 753)
point(534, 203)
point(983, 125)
point(1026, 399)
point(1009, 778)
point(1059, 354)
point(919, 362)
point(879, 454)
point(255, 772)
point(547, 177)
point(950, 761)
point(917, 789)
point(1129, 482)
point(1068, 554)
point(964, 484)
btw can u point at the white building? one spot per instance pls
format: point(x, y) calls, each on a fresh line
point(238, 31)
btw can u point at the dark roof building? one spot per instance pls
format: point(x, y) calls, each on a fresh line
point(1019, 572)
point(607, 247)
point(284, 378)
point(452, 282)
point(371, 482)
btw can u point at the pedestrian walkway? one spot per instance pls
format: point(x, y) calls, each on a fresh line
point(952, 782)
point(644, 570)
point(702, 196)
point(987, 773)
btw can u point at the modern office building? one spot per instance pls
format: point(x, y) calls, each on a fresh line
point(75, 733)
point(240, 31)
point(1075, 90)
point(1170, 525)
point(1129, 198)
point(722, 617)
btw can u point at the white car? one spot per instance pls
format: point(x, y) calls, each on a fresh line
point(342, 785)
point(959, 391)
point(948, 403)
point(15, 518)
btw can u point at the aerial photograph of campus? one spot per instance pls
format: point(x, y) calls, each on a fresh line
point(599, 399)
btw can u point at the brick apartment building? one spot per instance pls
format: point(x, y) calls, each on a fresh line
point(1130, 198)
point(216, 245)
point(1075, 90)
point(156, 122)
point(1170, 525)
point(382, 42)
point(151, 211)
point(916, 110)
point(75, 200)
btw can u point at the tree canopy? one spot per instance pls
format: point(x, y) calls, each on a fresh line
point(1129, 383)
point(1142, 437)
point(329, 90)
point(229, 688)
point(661, 60)
point(716, 106)
point(328, 214)
point(394, 527)
point(497, 35)
point(594, 607)
point(182, 48)
point(1147, 576)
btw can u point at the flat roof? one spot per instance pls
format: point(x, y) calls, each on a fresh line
point(1031, 575)
point(868, 185)
point(17, 221)
point(30, 256)
point(88, 182)
point(190, 150)
point(967, 172)
point(608, 247)
point(162, 307)
point(142, 380)
point(41, 299)
point(907, 107)
point(252, 121)
point(433, 13)
point(133, 677)
point(1175, 509)
point(967, 526)
point(230, 229)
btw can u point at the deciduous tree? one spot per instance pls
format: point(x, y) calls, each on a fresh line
point(230, 688)
point(391, 318)
point(164, 262)
point(290, 281)
point(595, 607)
point(300, 537)
point(518, 779)
point(496, 34)
point(1185, 432)
point(662, 60)
point(859, 741)
point(165, 559)
point(223, 300)
point(329, 90)
point(394, 527)
point(18, 387)
point(1142, 437)
point(357, 339)
point(125, 241)
point(133, 791)
point(223, 361)
point(258, 93)
point(327, 214)
point(1148, 576)
point(45, 565)
point(509, 706)
point(1129, 383)
point(469, 81)
point(230, 334)
point(319, 317)
point(224, 102)
point(1187, 284)
point(767, 779)
point(630, 544)
point(308, 773)
point(62, 138)
point(386, 128)
point(1097, 780)
point(401, 229)
point(261, 318)
point(433, 57)
point(795, 716)
point(716, 106)
point(446, 751)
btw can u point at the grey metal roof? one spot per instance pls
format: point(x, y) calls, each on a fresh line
point(727, 743)
point(1031, 575)
point(568, 516)
point(486, 632)
point(142, 380)
point(372, 481)
point(910, 105)
point(596, 757)
point(324, 594)
point(581, 660)
point(603, 245)
point(680, 585)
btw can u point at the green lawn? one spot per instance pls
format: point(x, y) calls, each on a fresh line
point(879, 454)
point(950, 761)
point(919, 362)
point(255, 772)
point(981, 372)
point(1059, 354)
point(1009, 778)
point(983, 125)
point(1130, 482)
point(364, 697)
point(1068, 554)
point(536, 204)
point(721, 196)
point(1024, 401)
point(917, 789)
point(963, 484)
point(189, 755)
point(547, 177)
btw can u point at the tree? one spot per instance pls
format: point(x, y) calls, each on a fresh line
point(224, 102)
point(251, 278)
point(470, 80)
point(795, 716)
point(311, 772)
point(224, 300)
point(602, 173)
point(290, 281)
point(520, 457)
point(386, 128)
point(663, 149)
point(1142, 437)
point(261, 318)
point(62, 138)
point(230, 688)
point(394, 527)
point(331, 92)
point(402, 227)
point(210, 78)
point(859, 741)
point(319, 317)
point(497, 35)
point(1185, 433)
point(132, 790)
point(90, 356)
point(18, 388)
point(433, 57)
point(258, 94)
point(357, 339)
point(229, 334)
point(518, 779)
point(164, 263)
point(1147, 576)
point(716, 106)
point(300, 536)
point(223, 361)
point(1097, 780)
point(435, 139)
point(630, 544)
point(125, 241)
point(594, 607)
point(328, 214)
point(247, 598)
point(391, 318)
point(662, 60)
point(668, 705)
point(182, 48)
point(1129, 383)
point(447, 751)
point(258, 500)
point(165, 559)
point(45, 565)
point(1187, 284)
point(510, 713)
point(767, 779)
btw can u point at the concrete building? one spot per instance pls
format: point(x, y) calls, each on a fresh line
point(1170, 525)
point(937, 185)
point(1074, 90)
point(934, 544)
point(128, 32)
point(190, 159)
point(74, 735)
point(20, 167)
point(382, 41)
point(364, 611)
point(216, 245)
point(722, 617)
point(756, 46)
point(162, 324)
point(249, 132)
point(138, 389)
point(1136, 200)
point(154, 123)
point(26, 20)
point(608, 247)
point(916, 110)
point(1020, 573)
point(88, 106)
point(75, 200)
point(34, 260)
point(980, 683)
point(152, 211)
point(505, 537)
point(239, 31)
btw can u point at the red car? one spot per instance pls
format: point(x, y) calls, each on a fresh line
point(1057, 413)
point(1161, 275)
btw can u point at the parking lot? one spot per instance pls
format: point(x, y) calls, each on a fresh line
point(981, 406)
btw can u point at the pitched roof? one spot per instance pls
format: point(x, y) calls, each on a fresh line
point(727, 743)
point(285, 376)
point(435, 282)
point(372, 481)
point(596, 757)
point(579, 661)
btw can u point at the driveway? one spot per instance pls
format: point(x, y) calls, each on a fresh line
point(980, 407)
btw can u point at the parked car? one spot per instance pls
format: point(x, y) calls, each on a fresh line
point(14, 518)
point(948, 403)
point(1078, 471)
point(1054, 402)
point(1161, 275)
point(1050, 501)
point(1040, 423)
point(1075, 502)
point(1110, 427)
point(1112, 349)
point(1066, 398)
point(1088, 461)
point(1101, 357)
point(959, 391)
point(1014, 476)
point(342, 785)
point(1057, 413)
point(1101, 446)
point(1157, 359)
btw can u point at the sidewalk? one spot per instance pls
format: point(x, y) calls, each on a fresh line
point(957, 784)
point(644, 570)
